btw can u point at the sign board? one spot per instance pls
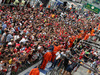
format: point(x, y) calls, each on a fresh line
point(96, 1)
point(92, 8)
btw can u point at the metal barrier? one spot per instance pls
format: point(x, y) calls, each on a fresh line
point(24, 66)
point(12, 3)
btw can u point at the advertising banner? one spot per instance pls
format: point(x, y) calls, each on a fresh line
point(92, 8)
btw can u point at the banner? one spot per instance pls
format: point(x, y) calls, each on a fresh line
point(92, 8)
point(96, 1)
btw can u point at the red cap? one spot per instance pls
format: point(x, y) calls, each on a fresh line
point(41, 5)
point(48, 46)
point(14, 59)
point(10, 26)
point(22, 13)
point(31, 45)
point(56, 15)
point(44, 14)
point(0, 53)
point(13, 8)
point(2, 6)
point(43, 45)
point(10, 17)
point(65, 32)
point(29, 48)
point(4, 70)
point(15, 49)
point(21, 51)
point(48, 24)
point(17, 44)
point(44, 37)
point(49, 41)
point(25, 31)
point(25, 49)
point(79, 19)
point(40, 27)
point(0, 10)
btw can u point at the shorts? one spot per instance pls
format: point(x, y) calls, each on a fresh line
point(65, 66)
point(69, 69)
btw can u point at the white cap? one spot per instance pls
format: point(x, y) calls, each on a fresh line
point(9, 43)
point(95, 53)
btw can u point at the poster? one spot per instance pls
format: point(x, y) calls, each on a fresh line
point(92, 8)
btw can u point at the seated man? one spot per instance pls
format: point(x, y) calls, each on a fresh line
point(34, 71)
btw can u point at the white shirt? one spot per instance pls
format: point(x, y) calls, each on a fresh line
point(63, 54)
point(32, 37)
point(57, 55)
point(23, 40)
point(16, 37)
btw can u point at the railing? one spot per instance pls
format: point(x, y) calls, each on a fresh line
point(32, 3)
point(24, 66)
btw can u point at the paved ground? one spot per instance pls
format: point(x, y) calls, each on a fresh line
point(26, 72)
point(81, 71)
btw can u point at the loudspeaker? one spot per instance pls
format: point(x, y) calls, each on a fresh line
point(64, 4)
point(45, 2)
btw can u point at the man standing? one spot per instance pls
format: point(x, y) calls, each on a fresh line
point(34, 71)
point(3, 38)
point(47, 57)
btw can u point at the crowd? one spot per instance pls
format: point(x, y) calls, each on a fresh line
point(29, 33)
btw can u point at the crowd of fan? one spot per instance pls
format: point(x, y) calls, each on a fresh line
point(27, 33)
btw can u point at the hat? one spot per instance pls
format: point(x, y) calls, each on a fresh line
point(48, 46)
point(41, 5)
point(25, 49)
point(0, 53)
point(10, 17)
point(15, 49)
point(21, 51)
point(14, 59)
point(29, 48)
point(95, 53)
point(65, 32)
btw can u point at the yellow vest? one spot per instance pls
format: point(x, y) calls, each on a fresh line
point(22, 3)
point(10, 61)
point(16, 2)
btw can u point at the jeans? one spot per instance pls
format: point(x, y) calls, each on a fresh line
point(56, 62)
